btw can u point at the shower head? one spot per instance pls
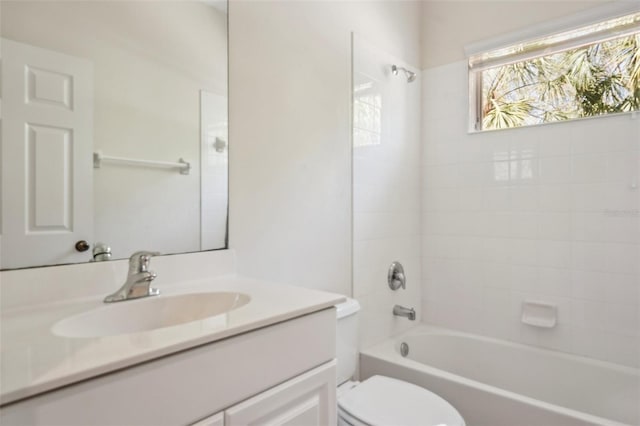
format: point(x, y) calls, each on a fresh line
point(411, 76)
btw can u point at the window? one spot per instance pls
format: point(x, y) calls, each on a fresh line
point(589, 71)
point(367, 112)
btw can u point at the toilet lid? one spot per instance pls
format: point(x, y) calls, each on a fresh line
point(382, 400)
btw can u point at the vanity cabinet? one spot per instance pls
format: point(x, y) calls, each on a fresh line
point(282, 374)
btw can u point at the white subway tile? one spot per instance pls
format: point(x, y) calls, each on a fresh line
point(429, 154)
point(438, 176)
point(496, 325)
point(476, 174)
point(589, 256)
point(497, 275)
point(496, 199)
point(622, 349)
point(588, 168)
point(555, 142)
point(555, 198)
point(623, 258)
point(555, 226)
point(447, 152)
point(497, 301)
point(524, 171)
point(557, 338)
point(498, 148)
point(622, 166)
point(593, 137)
point(589, 285)
point(590, 197)
point(621, 199)
point(440, 200)
point(497, 224)
point(525, 279)
point(475, 150)
point(555, 282)
point(496, 249)
point(554, 253)
point(621, 289)
point(524, 198)
point(428, 312)
point(621, 229)
point(589, 314)
point(525, 334)
point(442, 246)
point(588, 227)
point(593, 342)
point(524, 225)
point(555, 170)
point(525, 145)
point(470, 199)
point(524, 251)
point(623, 319)
point(442, 273)
point(471, 248)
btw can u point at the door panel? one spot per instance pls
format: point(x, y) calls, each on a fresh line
point(48, 183)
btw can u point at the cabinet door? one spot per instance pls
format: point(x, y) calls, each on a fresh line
point(306, 400)
point(215, 420)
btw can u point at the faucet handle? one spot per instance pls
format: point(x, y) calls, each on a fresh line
point(396, 277)
point(139, 261)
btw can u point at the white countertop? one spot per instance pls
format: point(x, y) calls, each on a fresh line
point(34, 360)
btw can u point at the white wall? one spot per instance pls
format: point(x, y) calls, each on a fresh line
point(538, 213)
point(150, 62)
point(386, 190)
point(449, 25)
point(290, 154)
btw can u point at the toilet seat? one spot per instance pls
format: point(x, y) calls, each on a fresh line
point(383, 401)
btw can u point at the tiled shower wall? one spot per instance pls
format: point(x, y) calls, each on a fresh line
point(386, 191)
point(548, 213)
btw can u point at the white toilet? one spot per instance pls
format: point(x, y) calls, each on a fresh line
point(379, 400)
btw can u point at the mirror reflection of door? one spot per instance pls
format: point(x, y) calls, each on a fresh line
point(47, 143)
point(148, 65)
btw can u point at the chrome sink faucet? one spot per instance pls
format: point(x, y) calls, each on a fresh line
point(139, 279)
point(401, 311)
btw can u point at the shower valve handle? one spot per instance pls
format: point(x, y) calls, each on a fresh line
point(396, 277)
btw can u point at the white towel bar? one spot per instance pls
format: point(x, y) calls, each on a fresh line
point(182, 165)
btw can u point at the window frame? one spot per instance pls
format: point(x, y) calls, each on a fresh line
point(591, 27)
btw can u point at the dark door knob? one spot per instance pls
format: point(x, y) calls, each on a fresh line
point(82, 245)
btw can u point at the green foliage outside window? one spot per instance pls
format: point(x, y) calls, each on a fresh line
point(601, 78)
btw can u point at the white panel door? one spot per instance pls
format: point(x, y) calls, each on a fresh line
point(306, 400)
point(47, 143)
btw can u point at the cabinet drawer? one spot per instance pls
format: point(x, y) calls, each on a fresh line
point(306, 400)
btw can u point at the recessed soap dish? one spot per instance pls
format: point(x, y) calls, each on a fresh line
point(539, 314)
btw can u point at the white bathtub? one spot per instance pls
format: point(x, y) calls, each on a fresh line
point(497, 383)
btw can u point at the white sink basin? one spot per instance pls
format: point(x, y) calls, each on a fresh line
point(149, 314)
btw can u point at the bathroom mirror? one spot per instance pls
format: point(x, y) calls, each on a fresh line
point(114, 129)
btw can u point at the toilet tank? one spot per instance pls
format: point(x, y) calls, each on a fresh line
point(347, 339)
